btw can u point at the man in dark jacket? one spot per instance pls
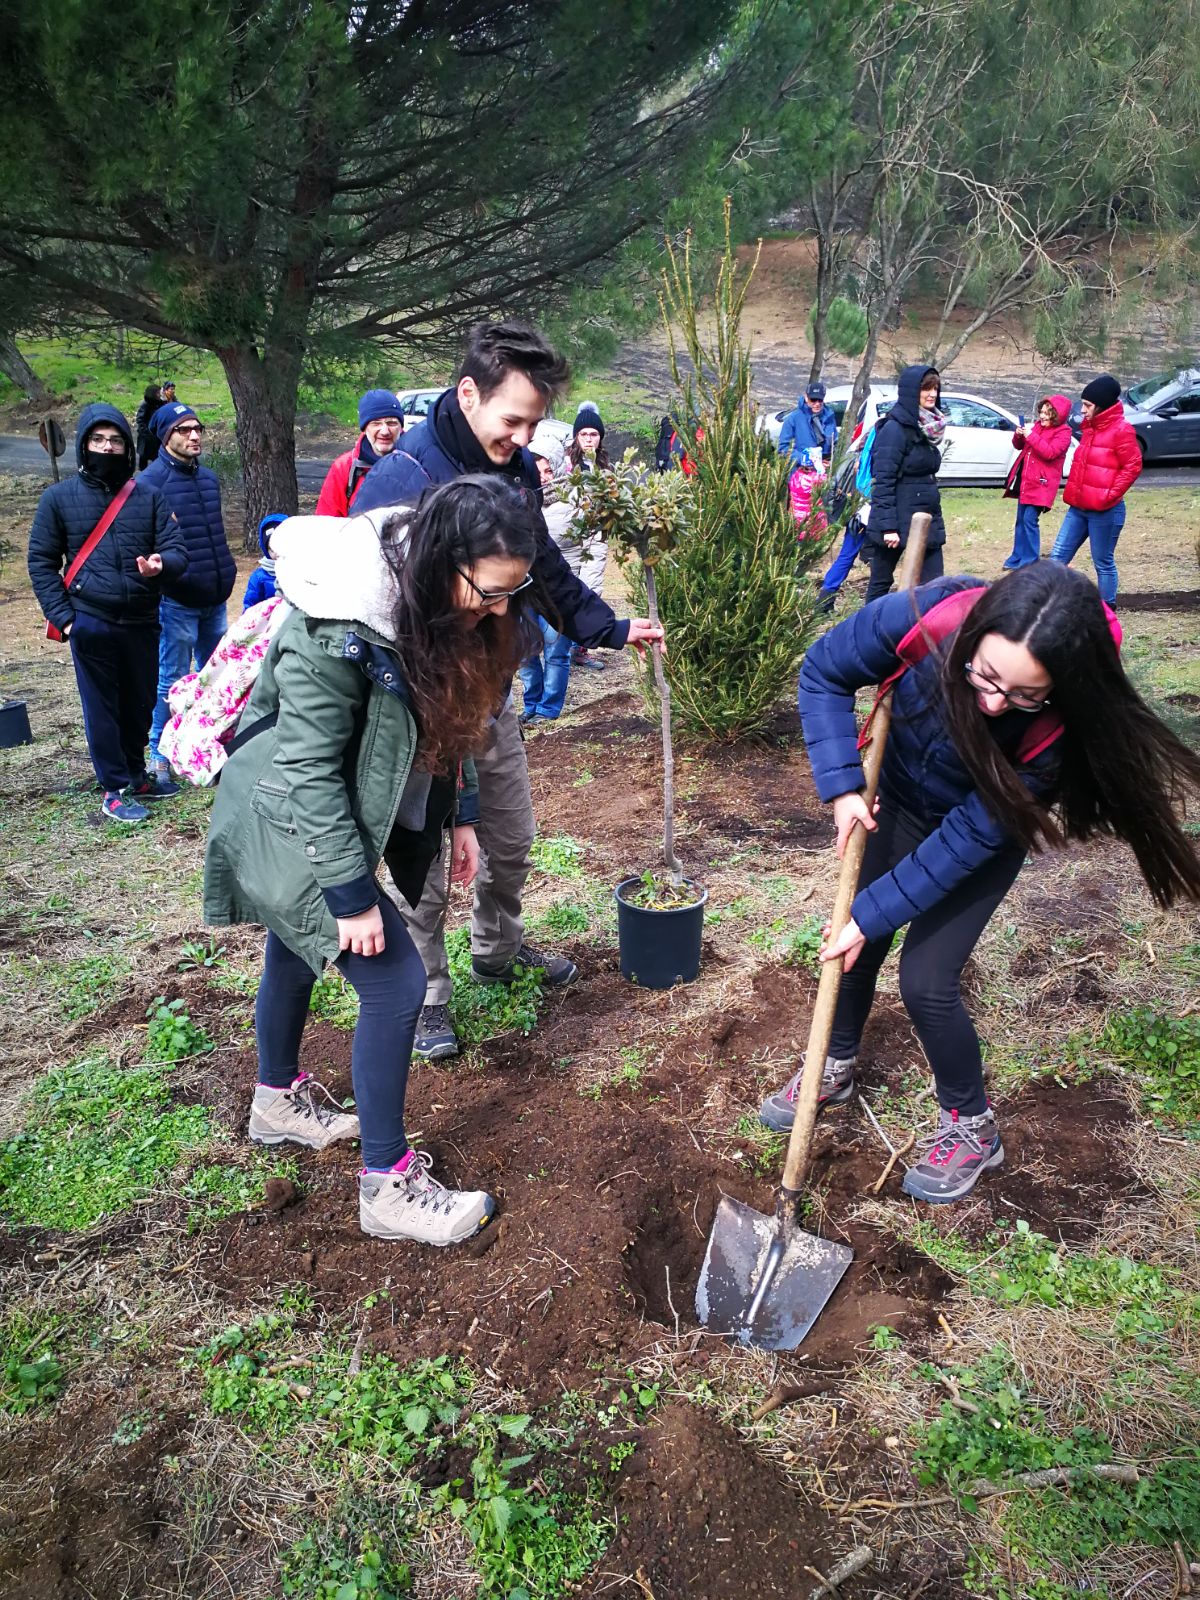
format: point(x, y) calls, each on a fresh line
point(811, 426)
point(192, 611)
point(508, 376)
point(110, 613)
point(904, 464)
point(144, 440)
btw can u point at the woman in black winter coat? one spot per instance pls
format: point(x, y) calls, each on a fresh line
point(145, 439)
point(904, 464)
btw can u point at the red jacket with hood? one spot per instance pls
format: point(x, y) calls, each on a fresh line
point(1043, 450)
point(1107, 462)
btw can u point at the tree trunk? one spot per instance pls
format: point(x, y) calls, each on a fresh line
point(264, 398)
point(18, 371)
point(670, 859)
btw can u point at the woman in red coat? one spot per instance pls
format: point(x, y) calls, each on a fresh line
point(1043, 450)
point(1107, 462)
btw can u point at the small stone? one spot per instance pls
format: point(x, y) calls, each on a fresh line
point(279, 1193)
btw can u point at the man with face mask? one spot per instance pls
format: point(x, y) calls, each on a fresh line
point(109, 616)
point(380, 425)
point(509, 375)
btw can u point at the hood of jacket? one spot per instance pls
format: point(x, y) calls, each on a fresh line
point(908, 393)
point(333, 569)
point(94, 414)
point(1061, 404)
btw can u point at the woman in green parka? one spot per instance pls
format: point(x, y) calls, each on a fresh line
point(406, 631)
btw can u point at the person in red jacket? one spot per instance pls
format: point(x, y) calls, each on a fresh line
point(1107, 462)
point(1040, 465)
point(380, 423)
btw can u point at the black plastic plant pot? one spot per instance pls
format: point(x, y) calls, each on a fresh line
point(14, 724)
point(658, 948)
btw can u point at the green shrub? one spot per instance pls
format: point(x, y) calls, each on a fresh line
point(172, 1035)
point(1164, 1052)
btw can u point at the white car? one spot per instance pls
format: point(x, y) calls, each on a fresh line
point(415, 404)
point(977, 448)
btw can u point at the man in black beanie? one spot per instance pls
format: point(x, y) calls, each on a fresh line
point(1106, 463)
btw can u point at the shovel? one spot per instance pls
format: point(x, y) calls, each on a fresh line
point(765, 1280)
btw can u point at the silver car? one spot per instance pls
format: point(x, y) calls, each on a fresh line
point(1165, 415)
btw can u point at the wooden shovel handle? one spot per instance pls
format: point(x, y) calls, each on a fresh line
point(799, 1150)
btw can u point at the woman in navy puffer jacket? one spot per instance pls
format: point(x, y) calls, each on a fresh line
point(1019, 705)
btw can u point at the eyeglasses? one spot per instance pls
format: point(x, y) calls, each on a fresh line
point(190, 427)
point(493, 597)
point(105, 441)
point(1017, 700)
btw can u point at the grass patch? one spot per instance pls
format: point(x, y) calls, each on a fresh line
point(484, 1011)
point(1164, 1054)
point(215, 1189)
point(558, 857)
point(98, 1139)
point(171, 1035)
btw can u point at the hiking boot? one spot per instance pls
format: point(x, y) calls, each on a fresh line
point(156, 785)
point(558, 970)
point(778, 1110)
point(412, 1204)
point(119, 807)
point(435, 1036)
point(304, 1114)
point(584, 658)
point(951, 1158)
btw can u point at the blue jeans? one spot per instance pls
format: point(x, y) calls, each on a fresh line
point(189, 633)
point(544, 677)
point(1101, 529)
point(1027, 538)
point(852, 543)
point(390, 989)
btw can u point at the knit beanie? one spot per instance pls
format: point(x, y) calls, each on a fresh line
point(1103, 391)
point(377, 403)
point(815, 391)
point(167, 418)
point(588, 416)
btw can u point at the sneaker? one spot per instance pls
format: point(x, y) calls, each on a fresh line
point(527, 717)
point(156, 785)
point(778, 1110)
point(951, 1158)
point(435, 1036)
point(412, 1204)
point(558, 970)
point(119, 807)
point(304, 1114)
point(584, 658)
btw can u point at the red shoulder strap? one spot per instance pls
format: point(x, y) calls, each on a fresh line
point(93, 539)
point(927, 631)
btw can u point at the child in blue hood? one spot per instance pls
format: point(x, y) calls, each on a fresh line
point(262, 579)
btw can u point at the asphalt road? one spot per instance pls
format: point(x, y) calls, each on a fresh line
point(24, 457)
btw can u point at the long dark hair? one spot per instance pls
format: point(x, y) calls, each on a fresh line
point(576, 454)
point(1123, 771)
point(457, 675)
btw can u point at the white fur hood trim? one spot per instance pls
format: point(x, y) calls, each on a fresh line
point(332, 569)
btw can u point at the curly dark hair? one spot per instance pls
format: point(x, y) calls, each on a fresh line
point(458, 675)
point(1124, 773)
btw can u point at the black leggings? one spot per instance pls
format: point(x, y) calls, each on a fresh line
point(883, 569)
point(391, 991)
point(935, 951)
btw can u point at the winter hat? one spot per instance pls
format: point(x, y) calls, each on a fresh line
point(546, 443)
point(815, 391)
point(1103, 391)
point(167, 418)
point(377, 403)
point(588, 416)
point(266, 528)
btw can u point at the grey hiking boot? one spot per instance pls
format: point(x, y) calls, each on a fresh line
point(304, 1114)
point(951, 1158)
point(413, 1205)
point(559, 971)
point(778, 1110)
point(435, 1036)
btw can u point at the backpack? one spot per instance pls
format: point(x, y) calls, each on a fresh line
point(863, 477)
point(206, 706)
point(938, 623)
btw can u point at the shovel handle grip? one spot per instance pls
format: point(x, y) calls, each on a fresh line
point(799, 1150)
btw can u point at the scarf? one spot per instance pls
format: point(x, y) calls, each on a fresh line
point(110, 470)
point(460, 444)
point(932, 424)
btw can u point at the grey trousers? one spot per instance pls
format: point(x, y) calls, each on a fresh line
point(506, 829)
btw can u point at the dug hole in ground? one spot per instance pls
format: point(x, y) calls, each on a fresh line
point(212, 1382)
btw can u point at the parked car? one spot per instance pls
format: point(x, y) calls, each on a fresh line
point(415, 403)
point(1165, 414)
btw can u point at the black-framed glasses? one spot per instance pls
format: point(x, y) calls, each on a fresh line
point(493, 597)
point(1017, 700)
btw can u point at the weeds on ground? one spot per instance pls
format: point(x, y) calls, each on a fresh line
point(98, 1138)
point(783, 940)
point(1164, 1054)
point(767, 1147)
point(214, 1190)
point(558, 857)
point(31, 1371)
point(171, 1034)
point(199, 953)
point(627, 1074)
point(564, 919)
point(334, 1000)
point(343, 1558)
point(486, 1010)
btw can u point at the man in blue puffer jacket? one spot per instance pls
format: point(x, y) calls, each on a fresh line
point(109, 615)
point(192, 613)
point(811, 426)
point(485, 424)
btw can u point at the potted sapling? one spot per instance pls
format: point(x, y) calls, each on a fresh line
point(660, 914)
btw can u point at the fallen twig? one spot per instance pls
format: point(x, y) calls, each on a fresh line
point(858, 1560)
point(1185, 1584)
point(951, 1337)
point(1043, 1478)
point(783, 1395)
point(895, 1156)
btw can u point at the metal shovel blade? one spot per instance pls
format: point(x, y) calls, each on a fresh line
point(763, 1284)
